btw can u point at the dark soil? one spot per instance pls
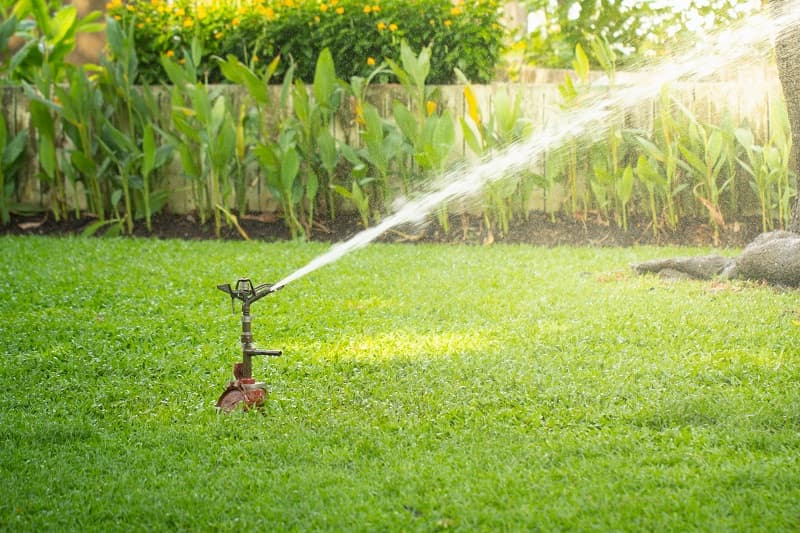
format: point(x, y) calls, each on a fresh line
point(539, 229)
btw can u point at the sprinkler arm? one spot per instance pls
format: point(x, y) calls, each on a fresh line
point(245, 291)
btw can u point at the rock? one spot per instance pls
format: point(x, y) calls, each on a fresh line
point(703, 267)
point(773, 257)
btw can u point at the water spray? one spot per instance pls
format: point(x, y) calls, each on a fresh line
point(749, 38)
point(244, 391)
point(591, 120)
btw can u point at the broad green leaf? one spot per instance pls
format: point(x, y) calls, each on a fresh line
point(3, 134)
point(85, 164)
point(647, 173)
point(45, 128)
point(324, 78)
point(693, 160)
point(290, 165)
point(625, 188)
point(652, 150)
point(745, 137)
point(148, 149)
point(715, 145)
point(327, 151)
point(406, 121)
point(174, 72)
point(444, 135)
point(63, 25)
point(312, 186)
point(235, 71)
point(581, 63)
point(7, 29)
point(301, 103)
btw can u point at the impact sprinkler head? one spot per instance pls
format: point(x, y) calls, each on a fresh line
point(245, 392)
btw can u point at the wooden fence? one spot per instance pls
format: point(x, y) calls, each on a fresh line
point(742, 100)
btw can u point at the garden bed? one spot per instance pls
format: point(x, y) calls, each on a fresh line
point(539, 229)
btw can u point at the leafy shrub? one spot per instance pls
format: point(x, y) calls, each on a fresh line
point(466, 34)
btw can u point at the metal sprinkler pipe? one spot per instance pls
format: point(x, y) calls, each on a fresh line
point(245, 392)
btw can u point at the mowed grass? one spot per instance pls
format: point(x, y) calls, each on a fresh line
point(427, 387)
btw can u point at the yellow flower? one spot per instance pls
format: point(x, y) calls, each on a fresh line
point(455, 11)
point(255, 58)
point(371, 61)
point(323, 7)
point(130, 8)
point(270, 13)
point(219, 35)
point(392, 27)
point(334, 2)
point(117, 18)
point(170, 53)
point(339, 10)
point(367, 9)
point(201, 13)
point(430, 107)
point(241, 11)
point(316, 19)
point(447, 23)
point(188, 23)
point(180, 12)
point(288, 3)
point(235, 22)
point(140, 25)
point(376, 9)
point(381, 26)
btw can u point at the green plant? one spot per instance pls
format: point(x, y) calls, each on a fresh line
point(768, 167)
point(656, 186)
point(430, 131)
point(281, 161)
point(80, 106)
point(49, 34)
point(12, 150)
point(8, 27)
point(260, 117)
point(131, 136)
point(571, 93)
point(315, 141)
point(663, 151)
point(205, 135)
point(506, 124)
point(704, 158)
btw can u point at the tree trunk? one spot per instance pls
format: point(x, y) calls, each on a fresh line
point(787, 46)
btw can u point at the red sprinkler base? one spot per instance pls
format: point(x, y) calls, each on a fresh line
point(245, 392)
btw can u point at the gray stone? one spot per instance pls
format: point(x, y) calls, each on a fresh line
point(773, 257)
point(702, 267)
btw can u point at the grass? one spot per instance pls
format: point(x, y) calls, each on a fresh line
point(421, 388)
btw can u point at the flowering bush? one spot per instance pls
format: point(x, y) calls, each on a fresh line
point(466, 34)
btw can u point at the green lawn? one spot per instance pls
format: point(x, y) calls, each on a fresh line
point(421, 388)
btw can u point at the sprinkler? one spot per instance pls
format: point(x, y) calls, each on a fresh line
point(244, 391)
